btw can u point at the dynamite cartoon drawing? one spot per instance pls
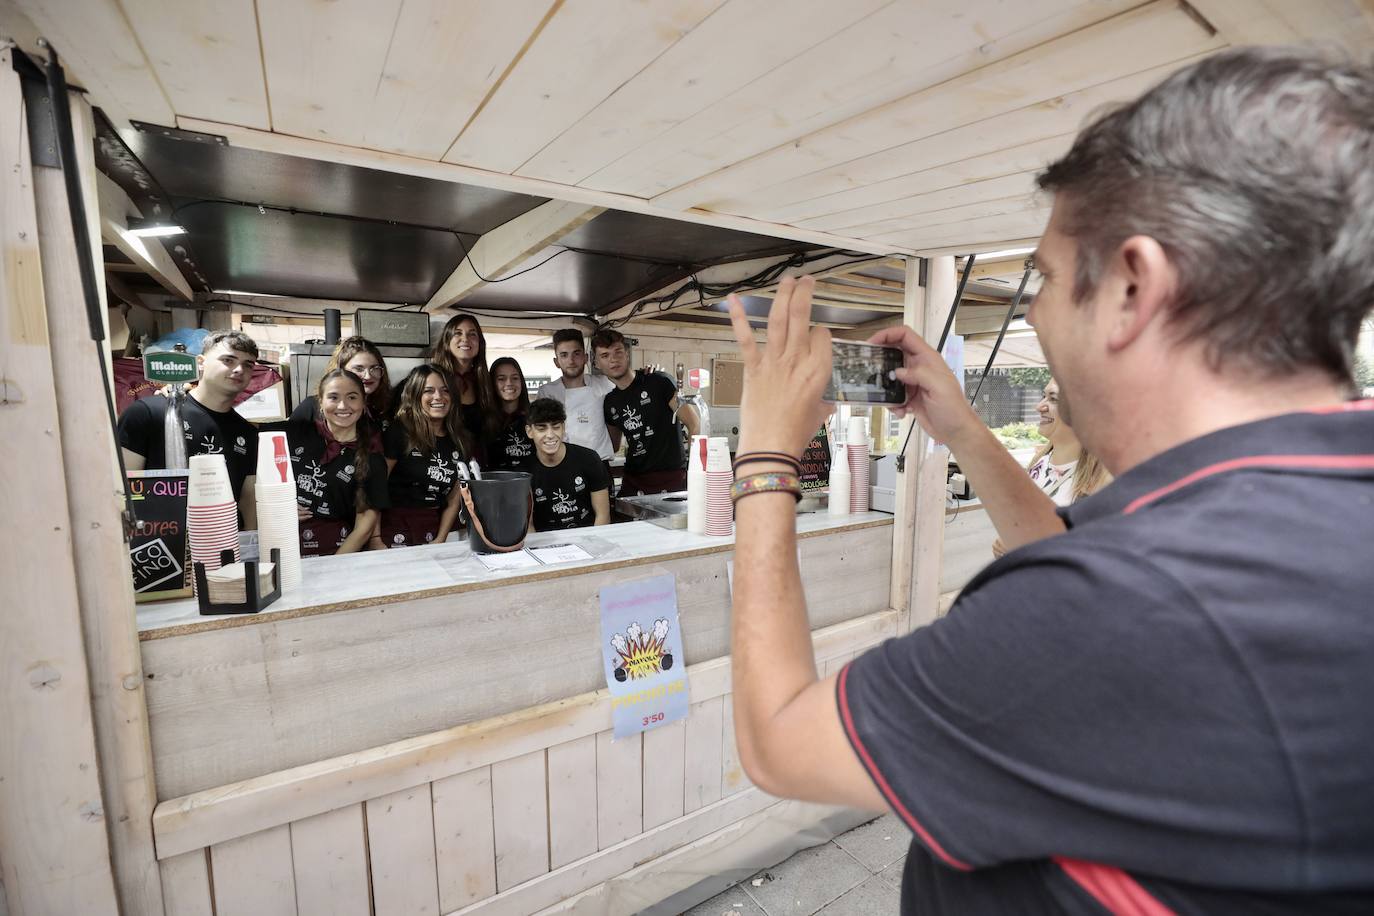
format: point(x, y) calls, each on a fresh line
point(642, 655)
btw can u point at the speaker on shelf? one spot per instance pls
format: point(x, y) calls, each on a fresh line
point(331, 326)
point(397, 329)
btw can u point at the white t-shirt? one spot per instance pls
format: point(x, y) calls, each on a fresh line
point(586, 424)
point(1055, 479)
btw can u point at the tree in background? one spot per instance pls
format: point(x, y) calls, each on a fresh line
point(1035, 377)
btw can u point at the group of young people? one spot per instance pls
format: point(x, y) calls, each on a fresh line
point(377, 465)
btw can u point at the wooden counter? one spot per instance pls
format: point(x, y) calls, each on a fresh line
point(385, 646)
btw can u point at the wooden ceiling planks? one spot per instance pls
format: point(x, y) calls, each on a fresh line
point(101, 53)
point(446, 57)
point(323, 63)
point(900, 49)
point(585, 52)
point(1026, 224)
point(709, 64)
point(205, 54)
point(906, 208)
point(1020, 202)
point(1128, 43)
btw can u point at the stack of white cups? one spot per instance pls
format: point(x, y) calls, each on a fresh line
point(720, 512)
point(212, 519)
point(696, 486)
point(276, 496)
point(856, 438)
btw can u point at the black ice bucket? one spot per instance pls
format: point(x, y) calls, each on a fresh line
point(500, 507)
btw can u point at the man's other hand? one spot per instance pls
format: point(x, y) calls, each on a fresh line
point(933, 395)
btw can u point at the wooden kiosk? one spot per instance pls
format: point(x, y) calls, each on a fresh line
point(435, 742)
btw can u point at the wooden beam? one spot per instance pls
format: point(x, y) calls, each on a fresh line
point(1029, 241)
point(904, 518)
point(509, 245)
point(115, 211)
point(754, 318)
point(104, 587)
point(1006, 267)
point(324, 151)
point(929, 460)
point(53, 838)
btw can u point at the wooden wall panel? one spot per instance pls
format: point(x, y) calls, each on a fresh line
point(400, 842)
point(231, 704)
point(572, 801)
point(619, 789)
point(732, 777)
point(519, 794)
point(330, 864)
point(465, 845)
point(252, 875)
point(703, 758)
point(186, 884)
point(665, 782)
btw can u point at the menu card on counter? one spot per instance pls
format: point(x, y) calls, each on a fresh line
point(533, 557)
point(815, 464)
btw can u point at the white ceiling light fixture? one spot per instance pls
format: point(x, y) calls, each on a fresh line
point(1009, 253)
point(149, 229)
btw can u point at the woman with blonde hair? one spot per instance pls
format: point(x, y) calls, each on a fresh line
point(1062, 469)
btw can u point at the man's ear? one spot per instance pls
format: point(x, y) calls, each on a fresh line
point(1143, 282)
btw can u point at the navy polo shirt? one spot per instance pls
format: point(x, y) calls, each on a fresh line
point(1169, 708)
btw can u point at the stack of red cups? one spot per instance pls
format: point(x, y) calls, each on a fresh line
point(212, 519)
point(856, 442)
point(720, 511)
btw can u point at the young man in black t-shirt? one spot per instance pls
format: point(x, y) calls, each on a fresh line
point(645, 409)
point(571, 489)
point(211, 424)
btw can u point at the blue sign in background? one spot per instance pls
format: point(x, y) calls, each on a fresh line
point(641, 647)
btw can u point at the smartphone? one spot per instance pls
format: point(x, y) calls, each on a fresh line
point(864, 373)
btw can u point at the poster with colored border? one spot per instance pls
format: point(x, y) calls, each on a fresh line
point(641, 647)
point(159, 550)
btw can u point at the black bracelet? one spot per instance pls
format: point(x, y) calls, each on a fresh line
point(767, 457)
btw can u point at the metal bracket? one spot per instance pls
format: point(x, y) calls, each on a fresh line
point(38, 112)
point(177, 133)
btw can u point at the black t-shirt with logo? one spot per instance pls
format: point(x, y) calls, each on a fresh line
point(563, 493)
point(420, 480)
point(512, 448)
point(642, 412)
point(208, 432)
point(329, 489)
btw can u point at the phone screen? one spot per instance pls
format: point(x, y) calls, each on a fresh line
point(864, 373)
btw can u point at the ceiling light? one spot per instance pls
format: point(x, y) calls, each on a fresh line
point(1008, 253)
point(147, 229)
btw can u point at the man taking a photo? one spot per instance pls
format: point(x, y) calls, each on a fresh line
point(211, 424)
point(1165, 707)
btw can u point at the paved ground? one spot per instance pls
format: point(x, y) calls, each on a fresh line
point(858, 873)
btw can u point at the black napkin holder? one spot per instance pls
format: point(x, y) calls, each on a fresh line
point(253, 602)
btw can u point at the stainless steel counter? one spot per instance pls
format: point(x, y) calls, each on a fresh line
point(669, 510)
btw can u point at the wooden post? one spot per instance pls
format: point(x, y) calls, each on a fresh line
point(931, 466)
point(53, 843)
point(904, 519)
point(104, 588)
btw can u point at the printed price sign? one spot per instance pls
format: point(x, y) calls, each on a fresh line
point(158, 549)
point(641, 645)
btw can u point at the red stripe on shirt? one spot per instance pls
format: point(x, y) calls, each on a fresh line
point(883, 785)
point(1328, 462)
point(1345, 406)
point(1121, 894)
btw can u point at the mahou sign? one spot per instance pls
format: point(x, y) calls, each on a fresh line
point(169, 367)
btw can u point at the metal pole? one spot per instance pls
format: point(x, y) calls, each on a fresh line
point(1016, 300)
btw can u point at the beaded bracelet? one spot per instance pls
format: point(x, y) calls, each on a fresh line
point(760, 457)
point(765, 483)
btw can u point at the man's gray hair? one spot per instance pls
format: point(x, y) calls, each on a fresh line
point(234, 340)
point(1254, 169)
